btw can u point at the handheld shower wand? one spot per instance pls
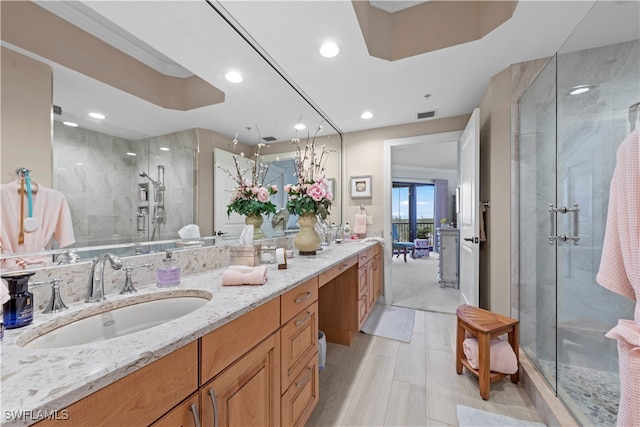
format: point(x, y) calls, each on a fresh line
point(154, 182)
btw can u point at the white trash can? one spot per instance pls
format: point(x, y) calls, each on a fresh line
point(322, 350)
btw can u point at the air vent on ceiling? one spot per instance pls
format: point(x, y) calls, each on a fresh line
point(427, 114)
point(268, 139)
point(57, 110)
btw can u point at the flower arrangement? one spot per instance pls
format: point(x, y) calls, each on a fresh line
point(311, 194)
point(251, 196)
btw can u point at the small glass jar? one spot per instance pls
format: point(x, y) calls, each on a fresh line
point(268, 255)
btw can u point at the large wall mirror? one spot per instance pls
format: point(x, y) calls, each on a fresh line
point(156, 71)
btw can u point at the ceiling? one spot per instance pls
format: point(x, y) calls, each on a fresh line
point(289, 33)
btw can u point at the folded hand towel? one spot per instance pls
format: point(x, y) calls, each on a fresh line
point(242, 275)
point(502, 358)
point(360, 224)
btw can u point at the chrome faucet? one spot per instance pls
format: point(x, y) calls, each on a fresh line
point(95, 291)
point(68, 257)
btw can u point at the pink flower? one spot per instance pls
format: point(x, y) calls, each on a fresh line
point(317, 192)
point(330, 196)
point(255, 190)
point(263, 195)
point(274, 189)
point(287, 188)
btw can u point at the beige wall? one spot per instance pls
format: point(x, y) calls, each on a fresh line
point(362, 154)
point(495, 187)
point(26, 122)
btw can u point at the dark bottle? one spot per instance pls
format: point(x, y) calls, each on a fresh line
point(18, 311)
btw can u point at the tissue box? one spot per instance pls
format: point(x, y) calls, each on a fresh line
point(248, 255)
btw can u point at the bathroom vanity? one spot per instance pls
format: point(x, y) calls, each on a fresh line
point(249, 356)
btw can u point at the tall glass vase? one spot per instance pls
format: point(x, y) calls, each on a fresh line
point(307, 240)
point(256, 221)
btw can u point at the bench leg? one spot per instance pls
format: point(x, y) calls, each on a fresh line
point(514, 337)
point(405, 254)
point(484, 348)
point(459, 350)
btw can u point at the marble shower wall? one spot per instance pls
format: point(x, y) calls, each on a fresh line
point(100, 182)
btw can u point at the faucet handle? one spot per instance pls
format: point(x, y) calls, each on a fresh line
point(128, 287)
point(56, 304)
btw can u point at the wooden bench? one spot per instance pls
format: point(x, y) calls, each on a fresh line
point(484, 325)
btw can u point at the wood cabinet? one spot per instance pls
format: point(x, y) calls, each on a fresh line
point(248, 392)
point(187, 414)
point(141, 397)
point(347, 296)
point(259, 369)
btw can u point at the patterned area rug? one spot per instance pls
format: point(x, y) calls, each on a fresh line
point(390, 322)
point(471, 417)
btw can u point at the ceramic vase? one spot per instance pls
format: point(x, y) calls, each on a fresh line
point(256, 221)
point(307, 240)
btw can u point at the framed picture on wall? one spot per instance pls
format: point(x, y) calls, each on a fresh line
point(360, 187)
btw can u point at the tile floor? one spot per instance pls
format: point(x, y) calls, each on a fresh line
point(383, 382)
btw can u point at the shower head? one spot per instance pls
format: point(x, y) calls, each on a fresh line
point(144, 175)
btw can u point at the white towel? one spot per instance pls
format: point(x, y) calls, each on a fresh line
point(360, 224)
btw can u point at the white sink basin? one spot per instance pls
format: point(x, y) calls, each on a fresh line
point(114, 319)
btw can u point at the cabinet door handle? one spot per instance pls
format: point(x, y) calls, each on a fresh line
point(305, 379)
point(214, 404)
point(196, 416)
point(300, 299)
point(301, 321)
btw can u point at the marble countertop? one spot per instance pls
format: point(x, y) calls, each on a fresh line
point(35, 381)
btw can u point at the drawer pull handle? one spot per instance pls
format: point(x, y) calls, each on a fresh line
point(343, 266)
point(304, 380)
point(301, 321)
point(299, 300)
point(214, 403)
point(196, 416)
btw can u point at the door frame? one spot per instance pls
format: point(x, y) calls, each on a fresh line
point(442, 137)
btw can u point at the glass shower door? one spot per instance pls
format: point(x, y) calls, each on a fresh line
point(590, 127)
point(537, 158)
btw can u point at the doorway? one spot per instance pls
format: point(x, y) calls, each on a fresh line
point(412, 168)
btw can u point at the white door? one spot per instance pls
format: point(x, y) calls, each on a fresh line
point(469, 210)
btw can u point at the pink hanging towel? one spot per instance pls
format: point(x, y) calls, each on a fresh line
point(620, 271)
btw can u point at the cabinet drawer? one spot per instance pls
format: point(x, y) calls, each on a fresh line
point(221, 347)
point(329, 275)
point(299, 338)
point(297, 299)
point(141, 397)
point(302, 396)
point(366, 256)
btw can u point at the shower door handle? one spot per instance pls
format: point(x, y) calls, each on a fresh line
point(575, 236)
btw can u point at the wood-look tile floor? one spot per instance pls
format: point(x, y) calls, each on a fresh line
point(382, 382)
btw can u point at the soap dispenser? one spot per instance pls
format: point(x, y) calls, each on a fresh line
point(169, 272)
point(18, 310)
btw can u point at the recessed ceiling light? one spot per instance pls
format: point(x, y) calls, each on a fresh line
point(73, 125)
point(131, 154)
point(300, 126)
point(366, 115)
point(329, 49)
point(164, 149)
point(97, 116)
point(233, 77)
point(577, 90)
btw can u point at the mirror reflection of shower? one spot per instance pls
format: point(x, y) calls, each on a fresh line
point(159, 215)
point(634, 117)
